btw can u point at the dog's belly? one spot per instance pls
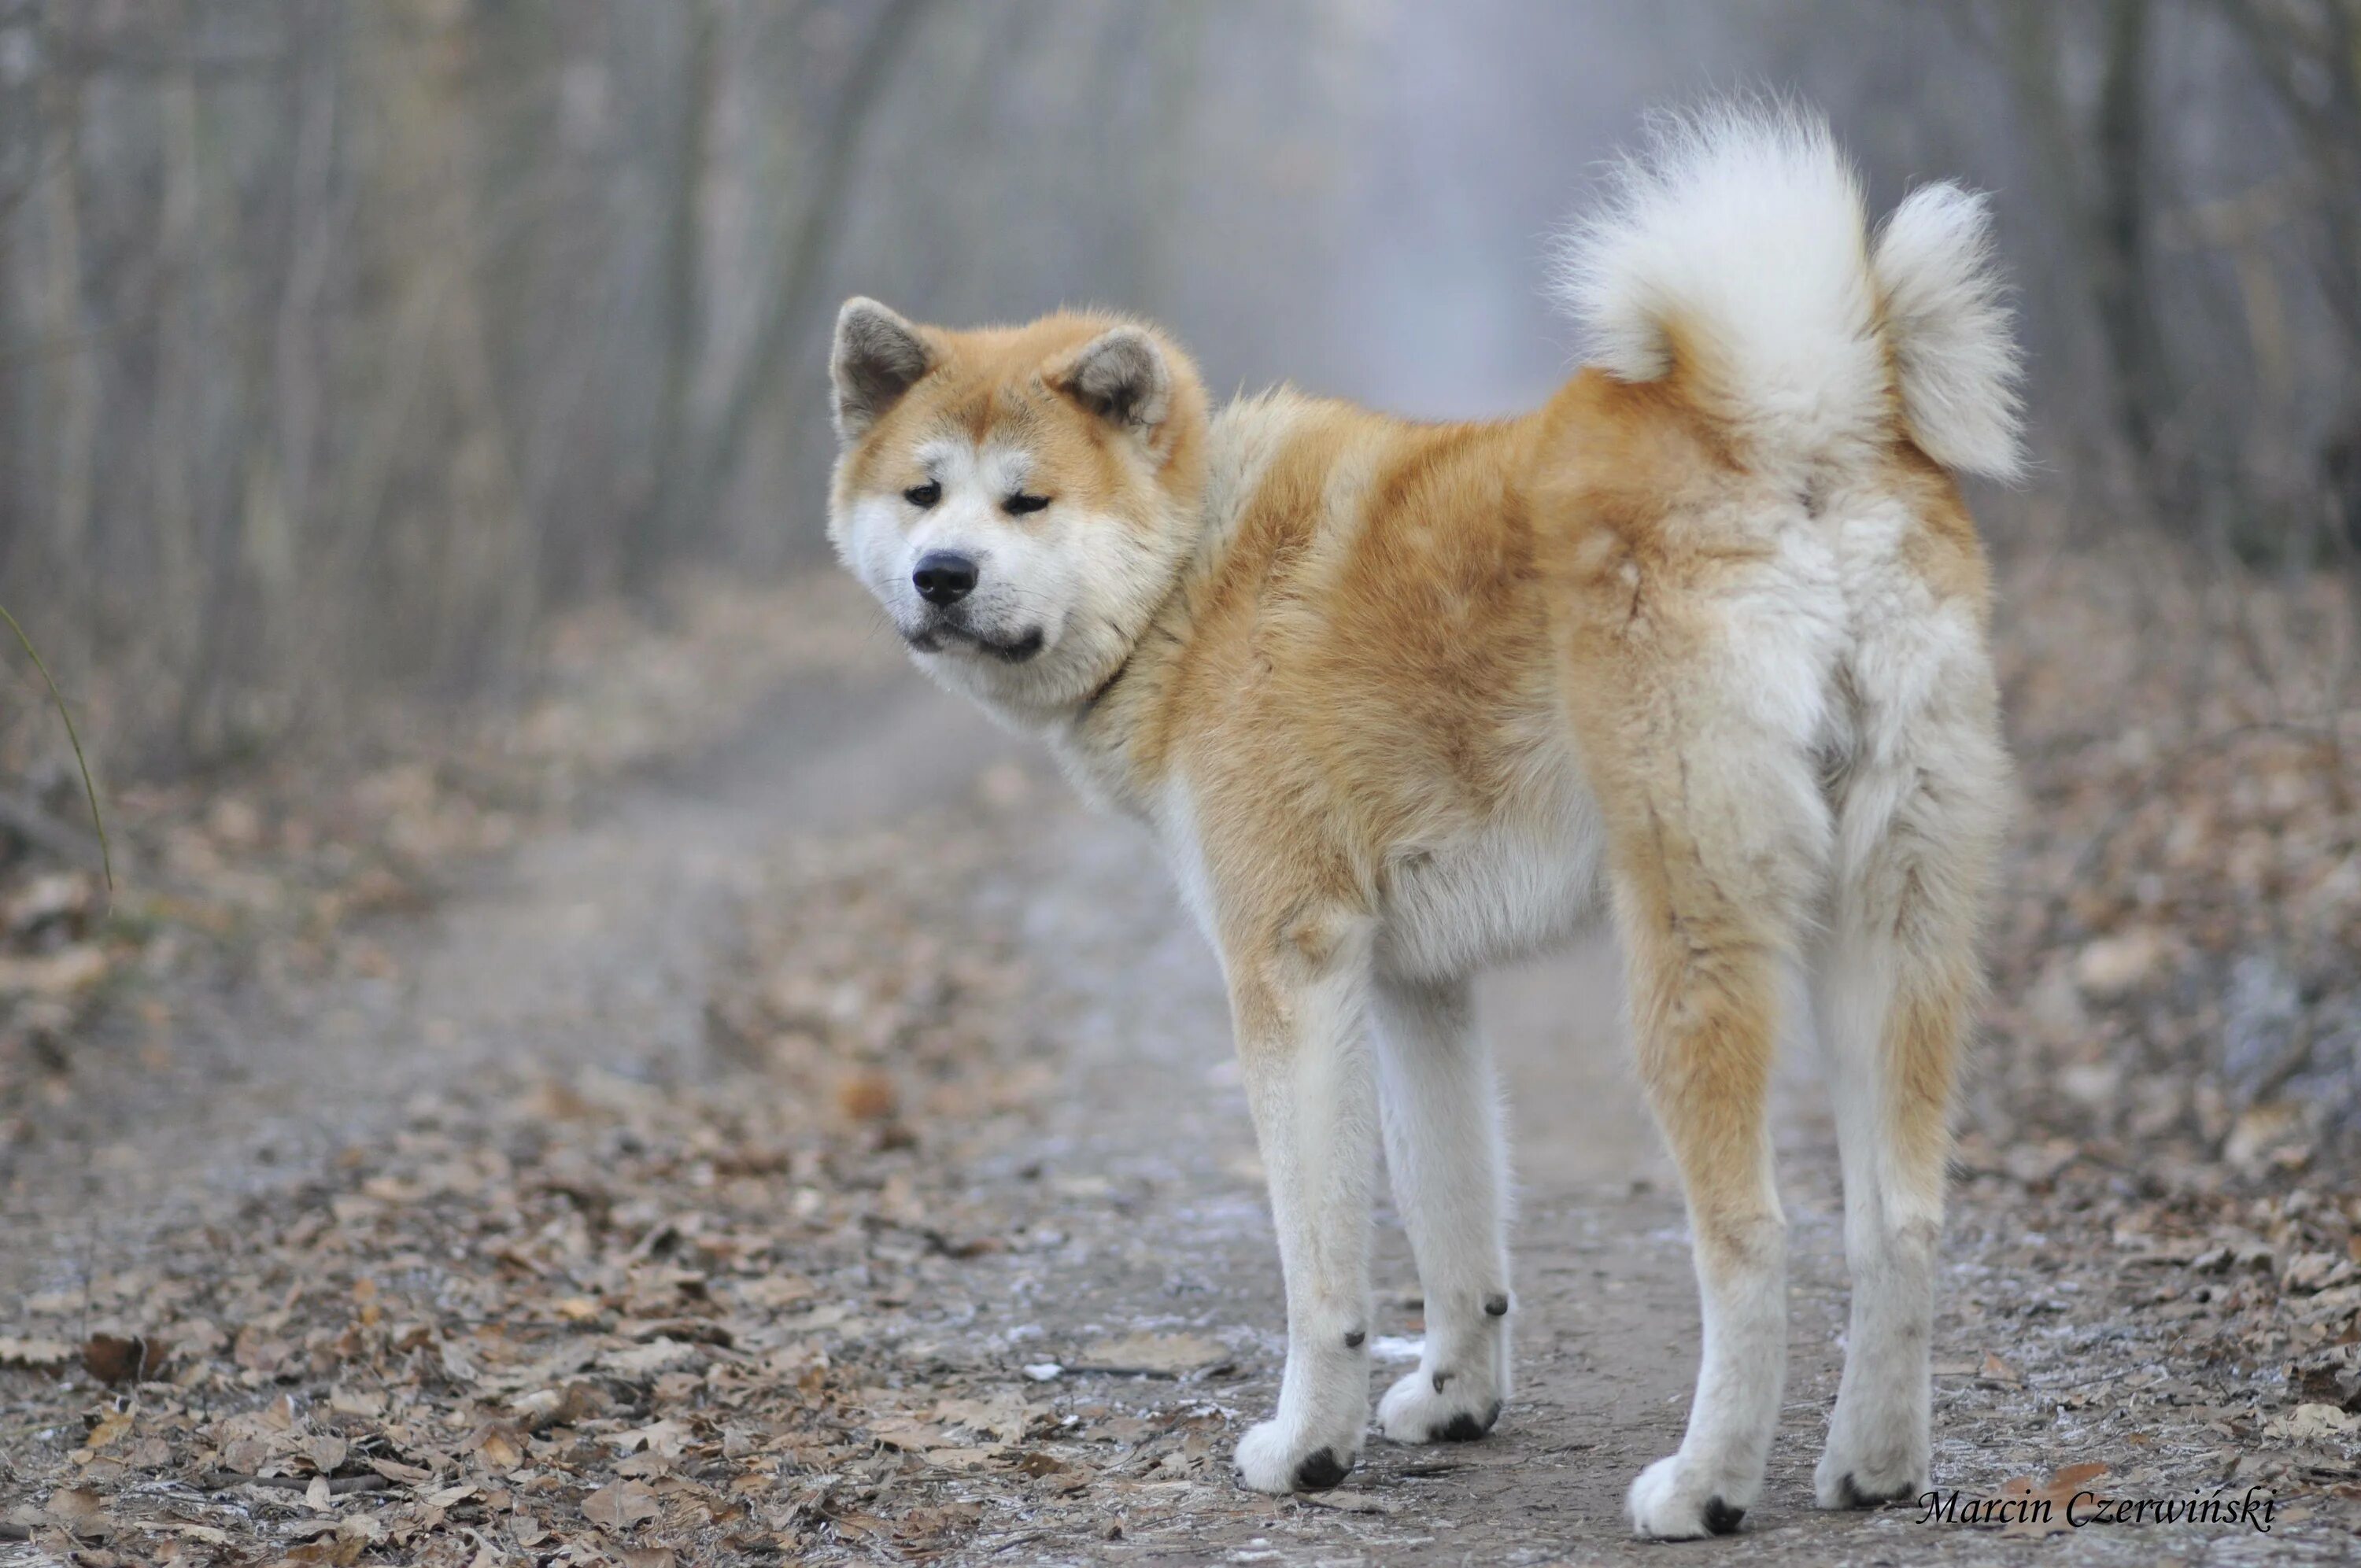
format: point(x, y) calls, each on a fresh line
point(1499, 894)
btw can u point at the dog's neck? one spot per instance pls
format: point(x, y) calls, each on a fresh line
point(1115, 746)
point(1099, 741)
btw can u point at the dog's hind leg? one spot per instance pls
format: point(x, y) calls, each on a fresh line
point(1706, 954)
point(1299, 1001)
point(1718, 837)
point(1917, 818)
point(1444, 1149)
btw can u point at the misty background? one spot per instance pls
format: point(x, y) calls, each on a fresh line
point(536, 870)
point(341, 343)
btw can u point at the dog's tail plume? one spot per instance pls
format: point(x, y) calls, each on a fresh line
point(1733, 252)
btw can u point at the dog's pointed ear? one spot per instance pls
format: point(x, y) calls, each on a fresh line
point(1121, 376)
point(877, 357)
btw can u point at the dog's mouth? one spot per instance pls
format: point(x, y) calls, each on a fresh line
point(935, 638)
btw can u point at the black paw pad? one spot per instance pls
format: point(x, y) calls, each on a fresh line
point(1320, 1471)
point(1853, 1496)
point(1720, 1518)
point(1466, 1427)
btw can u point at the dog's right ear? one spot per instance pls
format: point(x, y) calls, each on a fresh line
point(1120, 376)
point(876, 358)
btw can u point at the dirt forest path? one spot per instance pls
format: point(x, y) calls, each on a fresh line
point(589, 947)
point(1131, 1208)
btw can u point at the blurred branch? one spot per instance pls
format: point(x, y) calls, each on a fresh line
point(72, 388)
point(2312, 65)
point(792, 293)
point(2309, 56)
point(662, 513)
point(2101, 199)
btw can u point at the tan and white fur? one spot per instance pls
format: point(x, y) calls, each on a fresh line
point(1701, 642)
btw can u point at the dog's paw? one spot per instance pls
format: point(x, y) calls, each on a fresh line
point(1273, 1459)
point(1850, 1475)
point(1674, 1500)
point(1415, 1409)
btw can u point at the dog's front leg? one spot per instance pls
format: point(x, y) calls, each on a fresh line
point(1449, 1161)
point(1299, 1001)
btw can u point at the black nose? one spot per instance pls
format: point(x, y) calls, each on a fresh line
point(943, 577)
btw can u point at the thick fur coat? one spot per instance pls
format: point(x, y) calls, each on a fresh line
point(1700, 643)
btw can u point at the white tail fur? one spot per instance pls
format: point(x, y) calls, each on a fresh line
point(1737, 244)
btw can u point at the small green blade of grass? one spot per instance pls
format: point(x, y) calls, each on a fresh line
point(89, 790)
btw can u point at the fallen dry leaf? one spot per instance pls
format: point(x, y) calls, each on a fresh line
point(69, 1504)
point(665, 1437)
point(867, 1097)
point(115, 1358)
point(394, 1469)
point(2312, 1424)
point(112, 1428)
point(61, 973)
point(2057, 1491)
point(909, 1435)
point(1158, 1355)
point(39, 1354)
point(772, 1291)
point(621, 1505)
point(641, 1360)
point(955, 1457)
point(499, 1445)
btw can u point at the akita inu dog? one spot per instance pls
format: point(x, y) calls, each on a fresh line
point(1702, 641)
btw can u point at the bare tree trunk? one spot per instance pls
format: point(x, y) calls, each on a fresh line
point(2314, 74)
point(2120, 280)
point(493, 587)
point(297, 392)
point(2103, 199)
point(173, 436)
point(217, 531)
point(72, 389)
point(791, 295)
point(656, 529)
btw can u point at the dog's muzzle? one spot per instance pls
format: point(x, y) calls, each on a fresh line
point(945, 628)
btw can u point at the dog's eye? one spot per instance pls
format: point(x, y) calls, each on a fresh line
point(923, 496)
point(1020, 504)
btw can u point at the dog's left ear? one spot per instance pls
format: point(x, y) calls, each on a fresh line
point(1121, 376)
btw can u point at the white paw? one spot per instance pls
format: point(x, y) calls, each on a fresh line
point(1858, 1472)
point(1415, 1410)
point(1675, 1500)
point(1273, 1459)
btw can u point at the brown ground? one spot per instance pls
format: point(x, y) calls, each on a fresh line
point(825, 1146)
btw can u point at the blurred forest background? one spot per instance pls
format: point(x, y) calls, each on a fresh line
point(339, 344)
point(413, 449)
point(354, 357)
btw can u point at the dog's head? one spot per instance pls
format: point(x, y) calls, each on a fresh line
point(1019, 500)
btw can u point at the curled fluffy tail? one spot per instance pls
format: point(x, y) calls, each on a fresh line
point(1736, 249)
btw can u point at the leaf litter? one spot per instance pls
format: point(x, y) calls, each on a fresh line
point(598, 1319)
point(601, 1319)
